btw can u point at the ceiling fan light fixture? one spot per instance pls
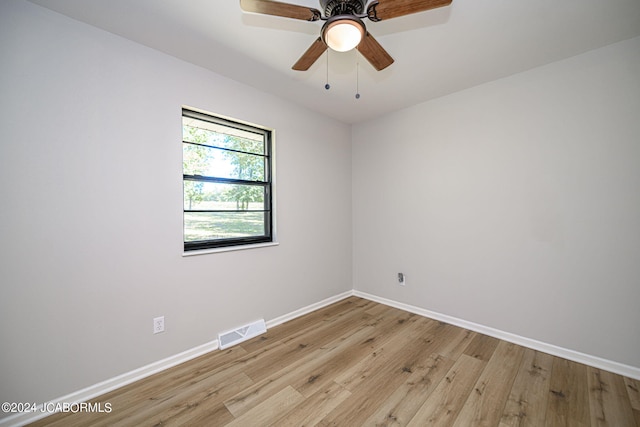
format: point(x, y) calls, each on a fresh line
point(343, 32)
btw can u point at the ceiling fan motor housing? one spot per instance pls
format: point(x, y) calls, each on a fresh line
point(342, 7)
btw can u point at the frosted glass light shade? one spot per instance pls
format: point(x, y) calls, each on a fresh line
point(343, 34)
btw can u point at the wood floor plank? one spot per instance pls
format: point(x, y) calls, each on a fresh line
point(633, 390)
point(294, 346)
point(339, 362)
point(568, 395)
point(609, 400)
point(189, 402)
point(268, 357)
point(310, 328)
point(482, 347)
point(385, 380)
point(269, 410)
point(361, 363)
point(311, 373)
point(262, 390)
point(486, 403)
point(208, 390)
point(207, 415)
point(185, 399)
point(443, 405)
point(315, 408)
point(527, 402)
point(153, 389)
point(453, 340)
point(384, 351)
point(377, 309)
point(401, 406)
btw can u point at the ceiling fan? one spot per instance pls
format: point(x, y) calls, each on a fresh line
point(344, 29)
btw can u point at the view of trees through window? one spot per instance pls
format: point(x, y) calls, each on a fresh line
point(226, 183)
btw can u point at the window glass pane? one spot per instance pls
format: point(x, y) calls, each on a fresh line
point(214, 162)
point(200, 195)
point(227, 182)
point(218, 135)
point(200, 226)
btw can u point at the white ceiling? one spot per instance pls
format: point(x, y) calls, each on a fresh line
point(436, 52)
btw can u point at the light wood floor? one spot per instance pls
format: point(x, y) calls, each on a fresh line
point(359, 363)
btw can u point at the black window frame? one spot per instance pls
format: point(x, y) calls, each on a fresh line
point(266, 184)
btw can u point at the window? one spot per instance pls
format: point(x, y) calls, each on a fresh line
point(227, 182)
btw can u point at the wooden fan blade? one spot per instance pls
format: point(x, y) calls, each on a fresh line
point(387, 9)
point(310, 56)
point(375, 54)
point(277, 8)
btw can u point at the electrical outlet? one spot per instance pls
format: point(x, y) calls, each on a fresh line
point(402, 279)
point(158, 324)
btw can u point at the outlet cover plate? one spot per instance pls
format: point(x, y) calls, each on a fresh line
point(158, 324)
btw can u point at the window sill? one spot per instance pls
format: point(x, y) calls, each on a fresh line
point(229, 249)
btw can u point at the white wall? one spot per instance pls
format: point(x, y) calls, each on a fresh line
point(515, 204)
point(91, 217)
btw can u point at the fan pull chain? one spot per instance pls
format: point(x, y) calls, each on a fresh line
point(327, 86)
point(357, 80)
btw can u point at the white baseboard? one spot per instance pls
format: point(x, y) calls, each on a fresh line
point(594, 361)
point(127, 378)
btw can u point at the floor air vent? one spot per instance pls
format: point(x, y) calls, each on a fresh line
point(236, 336)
